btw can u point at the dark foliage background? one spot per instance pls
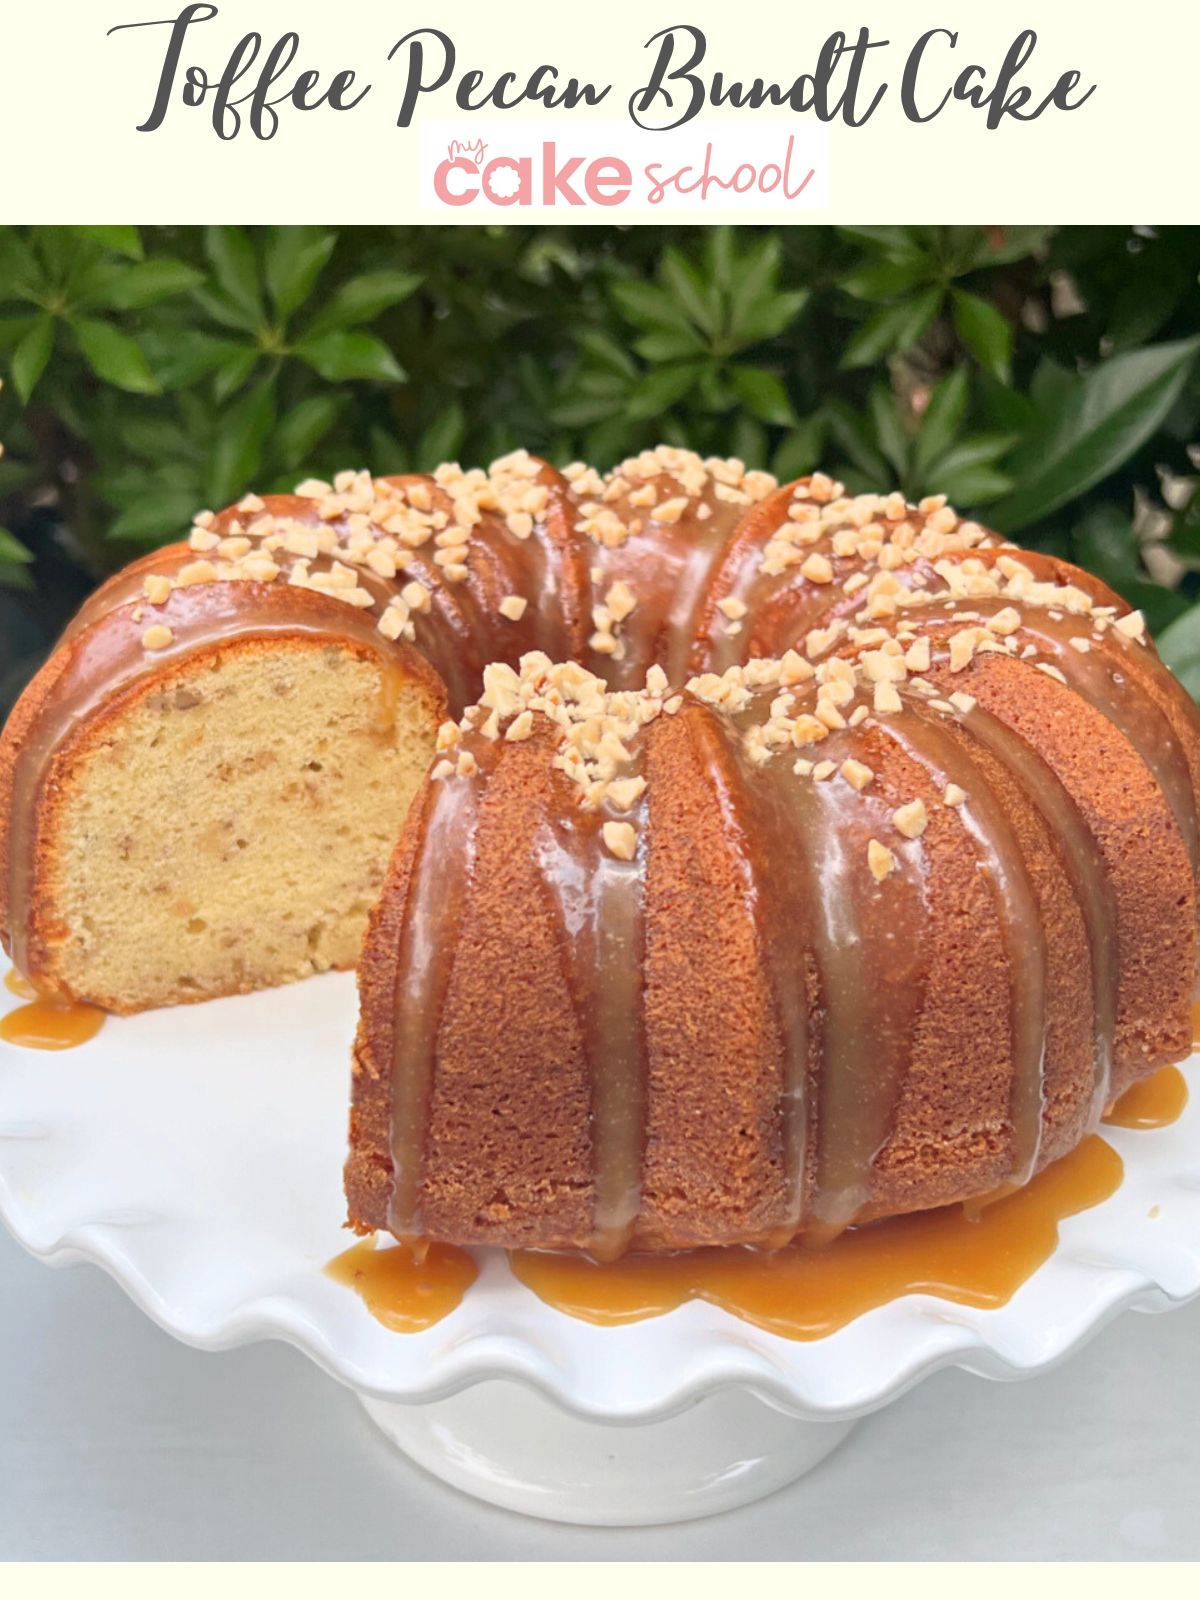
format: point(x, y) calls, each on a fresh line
point(1046, 379)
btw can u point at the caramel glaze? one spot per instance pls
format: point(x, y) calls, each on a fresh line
point(848, 977)
point(44, 1025)
point(406, 1289)
point(597, 903)
point(802, 1293)
point(430, 938)
point(21, 987)
point(796, 1293)
point(1154, 1103)
point(669, 567)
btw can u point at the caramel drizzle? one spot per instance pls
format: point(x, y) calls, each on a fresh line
point(1143, 723)
point(1107, 683)
point(1087, 874)
point(777, 899)
point(599, 913)
point(669, 567)
point(870, 982)
point(441, 872)
point(936, 750)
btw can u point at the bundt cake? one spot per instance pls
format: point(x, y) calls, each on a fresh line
point(776, 858)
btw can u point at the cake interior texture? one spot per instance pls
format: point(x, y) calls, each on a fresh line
point(226, 827)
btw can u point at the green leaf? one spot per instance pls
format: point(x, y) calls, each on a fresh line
point(31, 355)
point(582, 412)
point(850, 432)
point(1104, 542)
point(749, 442)
point(114, 356)
point(443, 438)
point(722, 257)
point(893, 328)
point(227, 312)
point(998, 246)
point(236, 268)
point(234, 371)
point(181, 357)
point(303, 428)
point(156, 516)
point(885, 280)
point(648, 306)
point(12, 550)
point(682, 280)
point(295, 259)
point(608, 352)
point(896, 242)
point(126, 241)
point(980, 449)
point(660, 388)
point(146, 283)
point(889, 428)
point(801, 451)
point(362, 299)
point(973, 486)
point(670, 344)
point(753, 282)
point(156, 436)
point(763, 395)
point(1179, 646)
point(13, 330)
point(20, 274)
point(343, 356)
point(1102, 419)
point(984, 331)
point(942, 419)
point(237, 449)
point(770, 316)
point(14, 577)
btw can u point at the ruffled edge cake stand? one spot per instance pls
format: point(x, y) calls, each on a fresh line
point(195, 1154)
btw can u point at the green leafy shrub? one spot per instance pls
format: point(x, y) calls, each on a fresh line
point(1046, 379)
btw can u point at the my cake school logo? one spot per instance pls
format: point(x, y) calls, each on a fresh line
point(489, 168)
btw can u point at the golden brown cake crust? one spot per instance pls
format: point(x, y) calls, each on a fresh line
point(873, 924)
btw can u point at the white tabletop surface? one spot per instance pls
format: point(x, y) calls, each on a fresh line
point(118, 1443)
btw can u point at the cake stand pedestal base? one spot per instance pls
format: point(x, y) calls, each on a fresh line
point(507, 1444)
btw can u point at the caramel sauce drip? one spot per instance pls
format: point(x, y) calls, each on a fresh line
point(777, 899)
point(804, 1293)
point(18, 985)
point(407, 1289)
point(597, 901)
point(436, 901)
point(44, 1025)
point(1086, 871)
point(1156, 1102)
point(933, 745)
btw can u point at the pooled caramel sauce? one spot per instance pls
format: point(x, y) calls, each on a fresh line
point(1154, 1103)
point(407, 1289)
point(18, 985)
point(801, 1293)
point(43, 1025)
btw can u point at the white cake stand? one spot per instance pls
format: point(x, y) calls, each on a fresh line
point(196, 1155)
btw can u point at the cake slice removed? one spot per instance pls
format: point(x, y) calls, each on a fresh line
point(219, 823)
